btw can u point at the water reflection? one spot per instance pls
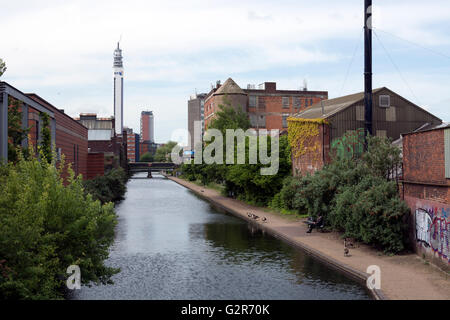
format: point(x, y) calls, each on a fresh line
point(170, 244)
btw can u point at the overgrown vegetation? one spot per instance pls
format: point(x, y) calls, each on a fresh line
point(2, 67)
point(46, 226)
point(163, 152)
point(243, 181)
point(355, 196)
point(15, 131)
point(46, 143)
point(146, 157)
point(110, 187)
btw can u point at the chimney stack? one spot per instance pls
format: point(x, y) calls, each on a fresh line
point(368, 67)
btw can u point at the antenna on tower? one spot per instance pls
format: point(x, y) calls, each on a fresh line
point(305, 85)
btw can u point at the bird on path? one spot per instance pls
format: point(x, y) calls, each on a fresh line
point(264, 219)
point(249, 215)
point(255, 217)
point(346, 251)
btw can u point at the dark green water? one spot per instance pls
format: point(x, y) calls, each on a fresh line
point(170, 244)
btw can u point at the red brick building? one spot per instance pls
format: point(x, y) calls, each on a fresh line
point(71, 138)
point(426, 190)
point(267, 107)
point(68, 136)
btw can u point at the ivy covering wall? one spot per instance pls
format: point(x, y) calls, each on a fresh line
point(301, 132)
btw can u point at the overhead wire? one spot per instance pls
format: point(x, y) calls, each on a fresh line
point(351, 63)
point(396, 67)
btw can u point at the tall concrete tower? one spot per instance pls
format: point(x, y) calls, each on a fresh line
point(118, 90)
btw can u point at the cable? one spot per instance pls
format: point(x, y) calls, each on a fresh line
point(415, 44)
point(395, 66)
point(351, 63)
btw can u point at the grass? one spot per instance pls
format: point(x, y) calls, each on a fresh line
point(211, 185)
point(290, 214)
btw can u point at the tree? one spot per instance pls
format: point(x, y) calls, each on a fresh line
point(46, 143)
point(15, 131)
point(146, 157)
point(2, 67)
point(163, 152)
point(46, 225)
point(243, 181)
point(228, 117)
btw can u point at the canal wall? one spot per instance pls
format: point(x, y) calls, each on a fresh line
point(396, 272)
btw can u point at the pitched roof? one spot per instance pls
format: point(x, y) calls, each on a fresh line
point(229, 87)
point(332, 106)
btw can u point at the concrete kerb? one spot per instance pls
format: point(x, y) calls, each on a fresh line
point(356, 275)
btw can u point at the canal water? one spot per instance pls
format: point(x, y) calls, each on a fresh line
point(171, 244)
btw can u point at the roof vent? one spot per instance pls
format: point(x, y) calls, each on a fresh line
point(385, 101)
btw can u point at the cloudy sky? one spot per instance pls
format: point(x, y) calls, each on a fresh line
point(62, 50)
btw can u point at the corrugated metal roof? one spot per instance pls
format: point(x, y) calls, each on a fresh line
point(99, 135)
point(331, 106)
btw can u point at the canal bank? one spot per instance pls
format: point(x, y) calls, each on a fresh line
point(402, 276)
point(171, 244)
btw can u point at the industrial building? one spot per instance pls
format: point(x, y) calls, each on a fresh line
point(69, 137)
point(196, 114)
point(267, 107)
point(392, 115)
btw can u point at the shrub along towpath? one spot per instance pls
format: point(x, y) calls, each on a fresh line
point(402, 276)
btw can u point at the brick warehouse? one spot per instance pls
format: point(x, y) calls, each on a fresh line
point(267, 107)
point(71, 138)
point(103, 139)
point(68, 136)
point(426, 190)
point(331, 119)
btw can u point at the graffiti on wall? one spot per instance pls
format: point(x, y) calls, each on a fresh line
point(350, 145)
point(433, 230)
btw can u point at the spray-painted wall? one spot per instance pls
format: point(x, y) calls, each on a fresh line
point(426, 190)
point(432, 226)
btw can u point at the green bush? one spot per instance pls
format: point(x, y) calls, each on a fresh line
point(146, 157)
point(110, 187)
point(46, 226)
point(372, 212)
point(354, 196)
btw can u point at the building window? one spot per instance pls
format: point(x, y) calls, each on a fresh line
point(285, 116)
point(297, 102)
point(58, 154)
point(385, 101)
point(359, 113)
point(285, 101)
point(262, 121)
point(252, 101)
point(390, 114)
point(261, 103)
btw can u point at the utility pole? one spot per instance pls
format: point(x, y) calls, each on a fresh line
point(367, 69)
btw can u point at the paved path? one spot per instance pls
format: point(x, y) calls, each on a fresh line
point(402, 277)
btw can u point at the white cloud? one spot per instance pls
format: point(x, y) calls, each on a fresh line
point(172, 47)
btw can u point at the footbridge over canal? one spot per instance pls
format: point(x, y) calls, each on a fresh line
point(150, 167)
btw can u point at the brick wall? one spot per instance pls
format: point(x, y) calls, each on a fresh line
point(71, 137)
point(427, 193)
point(313, 161)
point(96, 164)
point(423, 157)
